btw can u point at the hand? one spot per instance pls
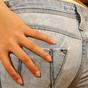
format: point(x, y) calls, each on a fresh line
point(13, 36)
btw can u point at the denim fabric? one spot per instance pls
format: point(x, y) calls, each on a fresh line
point(59, 20)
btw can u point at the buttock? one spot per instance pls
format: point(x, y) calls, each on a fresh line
point(58, 20)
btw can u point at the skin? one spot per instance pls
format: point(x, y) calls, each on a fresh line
point(82, 3)
point(13, 36)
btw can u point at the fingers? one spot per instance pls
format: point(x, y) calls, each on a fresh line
point(26, 60)
point(12, 72)
point(33, 47)
point(39, 35)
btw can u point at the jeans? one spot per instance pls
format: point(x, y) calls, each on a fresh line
point(58, 20)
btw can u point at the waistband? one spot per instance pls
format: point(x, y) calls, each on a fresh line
point(52, 7)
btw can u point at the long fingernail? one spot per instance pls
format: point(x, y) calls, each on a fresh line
point(49, 58)
point(20, 81)
point(38, 74)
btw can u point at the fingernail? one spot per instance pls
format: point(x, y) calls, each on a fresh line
point(49, 58)
point(20, 81)
point(38, 74)
point(52, 41)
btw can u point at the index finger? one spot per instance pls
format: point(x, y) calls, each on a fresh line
point(38, 35)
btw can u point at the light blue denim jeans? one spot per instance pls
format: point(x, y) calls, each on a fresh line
point(58, 20)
